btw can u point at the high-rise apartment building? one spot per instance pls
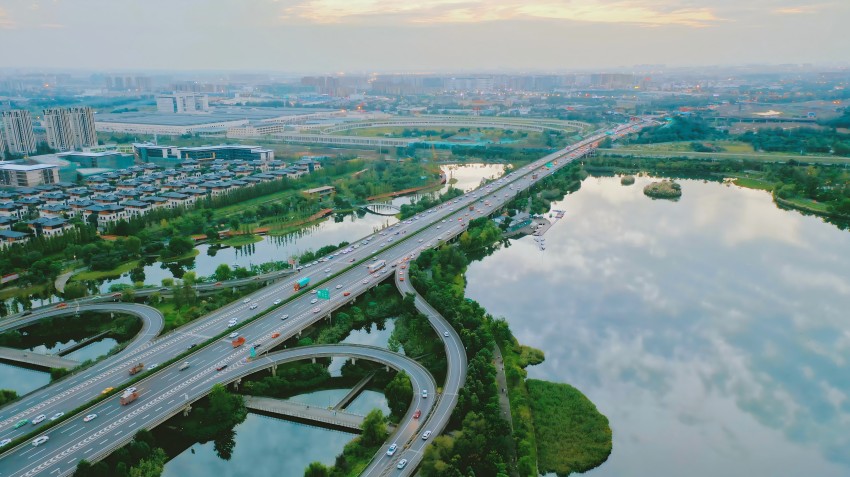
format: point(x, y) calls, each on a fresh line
point(182, 103)
point(69, 128)
point(17, 132)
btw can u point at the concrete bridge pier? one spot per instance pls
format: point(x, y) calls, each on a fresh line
point(187, 410)
point(274, 370)
point(237, 383)
point(313, 359)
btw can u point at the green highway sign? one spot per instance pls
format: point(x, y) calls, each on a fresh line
point(549, 165)
point(323, 294)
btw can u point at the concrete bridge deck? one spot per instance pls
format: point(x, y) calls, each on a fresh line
point(355, 391)
point(340, 420)
point(36, 359)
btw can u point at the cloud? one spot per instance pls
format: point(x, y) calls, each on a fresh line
point(473, 11)
point(799, 9)
point(5, 21)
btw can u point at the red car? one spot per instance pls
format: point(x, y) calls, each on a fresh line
point(346, 294)
point(417, 414)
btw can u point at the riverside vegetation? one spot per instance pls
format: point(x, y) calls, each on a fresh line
point(663, 190)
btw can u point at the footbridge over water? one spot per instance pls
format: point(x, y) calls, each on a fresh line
point(36, 360)
point(306, 414)
point(381, 208)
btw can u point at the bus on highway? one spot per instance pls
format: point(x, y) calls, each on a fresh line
point(375, 266)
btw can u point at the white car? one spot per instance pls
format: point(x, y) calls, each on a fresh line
point(316, 310)
point(130, 390)
point(39, 419)
point(426, 435)
point(339, 286)
point(231, 323)
point(314, 301)
point(57, 416)
point(39, 441)
point(284, 317)
point(246, 300)
point(392, 449)
point(327, 270)
point(153, 366)
point(253, 306)
point(5, 442)
point(446, 334)
point(401, 464)
point(425, 393)
point(365, 281)
point(90, 417)
point(277, 302)
point(233, 335)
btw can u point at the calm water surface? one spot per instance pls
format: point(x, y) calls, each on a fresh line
point(265, 446)
point(328, 232)
point(713, 332)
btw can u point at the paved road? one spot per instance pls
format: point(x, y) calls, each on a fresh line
point(94, 440)
point(439, 223)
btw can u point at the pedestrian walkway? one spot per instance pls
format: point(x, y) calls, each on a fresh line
point(355, 391)
point(36, 359)
point(321, 416)
point(504, 400)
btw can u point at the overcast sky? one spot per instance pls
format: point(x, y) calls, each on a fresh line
point(327, 36)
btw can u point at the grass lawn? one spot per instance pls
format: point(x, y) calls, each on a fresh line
point(242, 240)
point(808, 204)
point(572, 435)
point(97, 275)
point(241, 206)
point(193, 253)
point(750, 183)
point(7, 293)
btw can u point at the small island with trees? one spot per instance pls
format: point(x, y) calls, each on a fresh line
point(663, 190)
point(627, 180)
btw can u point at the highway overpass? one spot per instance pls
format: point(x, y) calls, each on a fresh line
point(342, 273)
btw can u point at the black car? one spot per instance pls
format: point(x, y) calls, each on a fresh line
point(193, 345)
point(221, 367)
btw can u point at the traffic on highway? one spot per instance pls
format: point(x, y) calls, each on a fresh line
point(334, 281)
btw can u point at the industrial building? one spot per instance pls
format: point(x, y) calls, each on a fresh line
point(182, 103)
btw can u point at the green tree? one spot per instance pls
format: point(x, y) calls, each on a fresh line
point(190, 278)
point(150, 467)
point(75, 290)
point(7, 395)
point(133, 245)
point(374, 429)
point(316, 469)
point(222, 272)
point(399, 393)
point(83, 469)
point(179, 246)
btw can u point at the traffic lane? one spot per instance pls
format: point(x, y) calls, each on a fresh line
point(469, 200)
point(130, 418)
point(240, 307)
point(129, 358)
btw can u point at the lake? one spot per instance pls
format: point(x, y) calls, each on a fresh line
point(332, 231)
point(713, 331)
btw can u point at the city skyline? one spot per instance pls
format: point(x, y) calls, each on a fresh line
point(330, 36)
